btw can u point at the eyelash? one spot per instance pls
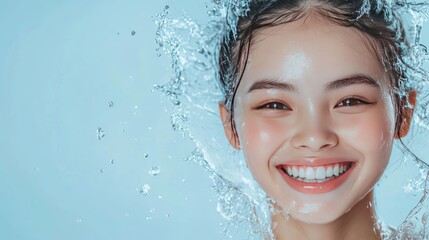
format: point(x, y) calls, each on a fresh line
point(347, 102)
point(274, 106)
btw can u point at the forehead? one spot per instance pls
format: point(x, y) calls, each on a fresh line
point(310, 47)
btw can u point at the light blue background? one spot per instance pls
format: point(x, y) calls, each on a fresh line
point(61, 62)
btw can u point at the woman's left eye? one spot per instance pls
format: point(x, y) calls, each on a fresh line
point(349, 102)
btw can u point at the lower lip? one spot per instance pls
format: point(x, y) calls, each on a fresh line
point(316, 188)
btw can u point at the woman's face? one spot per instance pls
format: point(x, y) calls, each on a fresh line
point(314, 117)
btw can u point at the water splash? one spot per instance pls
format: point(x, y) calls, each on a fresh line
point(144, 189)
point(100, 133)
point(195, 94)
point(154, 171)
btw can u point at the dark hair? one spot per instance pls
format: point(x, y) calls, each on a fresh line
point(380, 26)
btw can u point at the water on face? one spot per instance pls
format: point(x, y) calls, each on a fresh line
point(194, 91)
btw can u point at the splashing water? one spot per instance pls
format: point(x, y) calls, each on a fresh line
point(100, 133)
point(154, 171)
point(195, 95)
point(144, 189)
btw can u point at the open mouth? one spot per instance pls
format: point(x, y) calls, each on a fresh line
point(316, 179)
point(316, 174)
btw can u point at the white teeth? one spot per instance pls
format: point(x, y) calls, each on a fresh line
point(320, 173)
point(301, 172)
point(309, 173)
point(295, 172)
point(316, 174)
point(336, 170)
point(329, 172)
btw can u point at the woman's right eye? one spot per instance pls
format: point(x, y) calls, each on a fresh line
point(274, 106)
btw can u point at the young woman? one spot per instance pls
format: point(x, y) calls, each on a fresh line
point(315, 97)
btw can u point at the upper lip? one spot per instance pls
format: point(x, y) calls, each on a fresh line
point(313, 162)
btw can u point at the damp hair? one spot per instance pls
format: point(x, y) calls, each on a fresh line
point(382, 32)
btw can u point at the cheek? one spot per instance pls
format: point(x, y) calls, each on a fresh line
point(371, 135)
point(259, 139)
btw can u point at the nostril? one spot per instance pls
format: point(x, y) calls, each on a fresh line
point(314, 142)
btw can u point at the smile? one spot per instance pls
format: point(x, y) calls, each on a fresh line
point(316, 179)
point(316, 174)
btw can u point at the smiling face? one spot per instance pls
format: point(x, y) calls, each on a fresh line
point(314, 117)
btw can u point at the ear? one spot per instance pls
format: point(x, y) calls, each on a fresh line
point(225, 116)
point(407, 116)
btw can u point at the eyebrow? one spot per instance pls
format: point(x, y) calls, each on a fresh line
point(340, 83)
point(271, 84)
point(352, 80)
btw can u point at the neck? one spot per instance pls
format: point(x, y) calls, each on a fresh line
point(358, 223)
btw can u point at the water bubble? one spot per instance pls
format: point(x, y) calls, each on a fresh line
point(154, 171)
point(144, 189)
point(133, 33)
point(166, 7)
point(100, 133)
point(111, 104)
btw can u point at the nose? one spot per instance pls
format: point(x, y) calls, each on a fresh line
point(314, 134)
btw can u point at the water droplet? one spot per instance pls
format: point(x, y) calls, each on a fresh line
point(133, 33)
point(167, 215)
point(146, 155)
point(183, 180)
point(112, 161)
point(158, 54)
point(159, 197)
point(79, 220)
point(148, 218)
point(149, 128)
point(101, 170)
point(145, 189)
point(154, 171)
point(136, 107)
point(166, 7)
point(118, 33)
point(110, 104)
point(100, 133)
